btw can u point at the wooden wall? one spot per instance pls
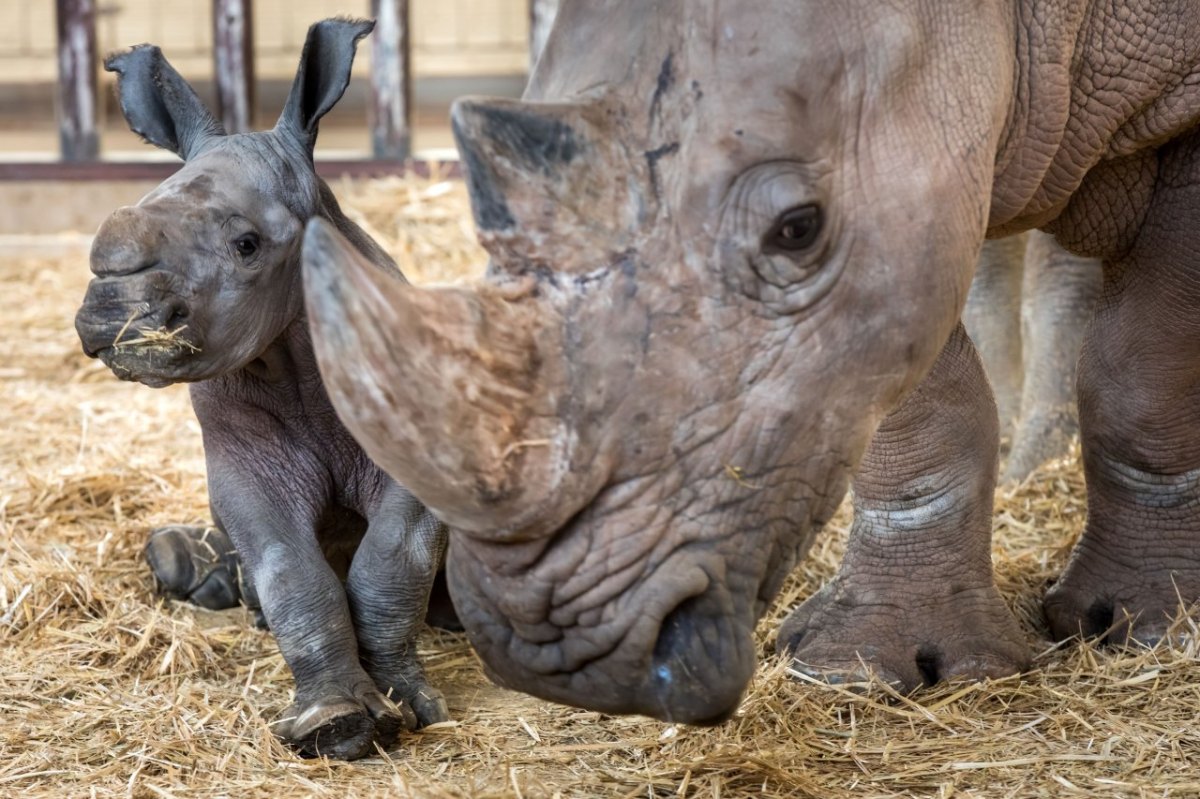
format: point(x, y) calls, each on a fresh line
point(450, 37)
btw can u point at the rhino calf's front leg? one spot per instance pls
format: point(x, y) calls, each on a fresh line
point(388, 589)
point(338, 710)
point(914, 598)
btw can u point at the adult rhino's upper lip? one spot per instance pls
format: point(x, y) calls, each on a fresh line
point(676, 651)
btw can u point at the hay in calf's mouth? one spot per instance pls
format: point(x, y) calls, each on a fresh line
point(162, 340)
point(108, 690)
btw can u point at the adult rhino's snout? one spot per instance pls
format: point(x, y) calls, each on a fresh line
point(696, 677)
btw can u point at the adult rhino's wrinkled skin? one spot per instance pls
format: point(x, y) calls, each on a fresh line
point(730, 244)
point(200, 282)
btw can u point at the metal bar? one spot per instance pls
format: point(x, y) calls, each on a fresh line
point(541, 17)
point(391, 81)
point(76, 99)
point(161, 170)
point(233, 62)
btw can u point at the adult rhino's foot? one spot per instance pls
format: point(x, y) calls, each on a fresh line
point(195, 564)
point(909, 635)
point(914, 600)
point(1041, 437)
point(1119, 600)
point(343, 723)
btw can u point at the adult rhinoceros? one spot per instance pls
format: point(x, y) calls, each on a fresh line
point(730, 245)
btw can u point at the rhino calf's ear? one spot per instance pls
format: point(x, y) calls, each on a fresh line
point(159, 105)
point(322, 77)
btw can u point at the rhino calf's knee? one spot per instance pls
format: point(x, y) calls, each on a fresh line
point(200, 282)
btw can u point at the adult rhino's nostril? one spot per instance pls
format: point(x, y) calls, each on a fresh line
point(688, 674)
point(1098, 619)
point(928, 663)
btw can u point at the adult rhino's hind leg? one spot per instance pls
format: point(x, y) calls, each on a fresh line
point(914, 599)
point(1139, 414)
point(992, 317)
point(1060, 293)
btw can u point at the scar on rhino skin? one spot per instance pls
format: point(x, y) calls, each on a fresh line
point(666, 78)
point(652, 159)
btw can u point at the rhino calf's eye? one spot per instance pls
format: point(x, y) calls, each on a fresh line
point(796, 229)
point(246, 245)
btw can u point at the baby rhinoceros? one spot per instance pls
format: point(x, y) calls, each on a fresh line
point(200, 282)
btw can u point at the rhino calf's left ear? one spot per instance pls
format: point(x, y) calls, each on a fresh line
point(159, 105)
point(323, 75)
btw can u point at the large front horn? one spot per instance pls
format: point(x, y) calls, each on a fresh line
point(453, 391)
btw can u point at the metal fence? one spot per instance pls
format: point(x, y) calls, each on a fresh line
point(389, 117)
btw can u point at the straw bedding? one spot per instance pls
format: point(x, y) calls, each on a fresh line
point(106, 690)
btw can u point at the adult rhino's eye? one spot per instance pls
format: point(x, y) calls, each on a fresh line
point(246, 245)
point(796, 229)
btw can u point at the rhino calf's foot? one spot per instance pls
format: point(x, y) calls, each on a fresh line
point(388, 590)
point(914, 600)
point(427, 703)
point(343, 724)
point(195, 564)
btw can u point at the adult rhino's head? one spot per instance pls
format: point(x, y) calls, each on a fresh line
point(203, 273)
point(725, 239)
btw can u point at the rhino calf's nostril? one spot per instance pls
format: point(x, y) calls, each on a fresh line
point(176, 317)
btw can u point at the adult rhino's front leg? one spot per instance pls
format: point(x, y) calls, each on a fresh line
point(389, 588)
point(1139, 411)
point(914, 599)
point(338, 710)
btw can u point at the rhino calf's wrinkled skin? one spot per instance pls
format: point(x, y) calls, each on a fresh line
point(200, 282)
point(730, 248)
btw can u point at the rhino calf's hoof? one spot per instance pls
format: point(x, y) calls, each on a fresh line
point(344, 727)
point(430, 707)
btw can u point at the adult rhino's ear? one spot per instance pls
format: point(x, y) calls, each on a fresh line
point(159, 105)
point(323, 76)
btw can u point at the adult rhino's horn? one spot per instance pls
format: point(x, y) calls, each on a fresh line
point(445, 388)
point(542, 175)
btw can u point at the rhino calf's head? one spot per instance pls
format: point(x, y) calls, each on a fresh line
point(203, 273)
point(725, 239)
